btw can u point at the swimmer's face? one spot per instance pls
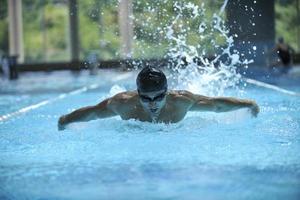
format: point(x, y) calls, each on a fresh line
point(154, 101)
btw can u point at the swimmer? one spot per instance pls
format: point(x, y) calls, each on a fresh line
point(284, 53)
point(153, 102)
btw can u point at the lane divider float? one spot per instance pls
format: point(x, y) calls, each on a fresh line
point(270, 86)
point(61, 96)
point(48, 101)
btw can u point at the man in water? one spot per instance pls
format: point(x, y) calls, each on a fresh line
point(152, 102)
point(284, 53)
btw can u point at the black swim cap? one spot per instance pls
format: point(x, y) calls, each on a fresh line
point(151, 79)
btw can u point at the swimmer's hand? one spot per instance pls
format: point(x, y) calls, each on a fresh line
point(61, 125)
point(254, 109)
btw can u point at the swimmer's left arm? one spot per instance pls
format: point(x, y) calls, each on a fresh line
point(223, 104)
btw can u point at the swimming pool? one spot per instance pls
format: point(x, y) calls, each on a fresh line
point(205, 156)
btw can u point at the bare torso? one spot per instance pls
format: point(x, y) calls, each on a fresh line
point(128, 106)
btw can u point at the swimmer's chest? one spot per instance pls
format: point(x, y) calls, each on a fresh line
point(168, 115)
point(172, 115)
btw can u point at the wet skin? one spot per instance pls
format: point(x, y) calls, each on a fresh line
point(156, 106)
point(153, 102)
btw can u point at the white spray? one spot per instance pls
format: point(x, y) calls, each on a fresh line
point(204, 61)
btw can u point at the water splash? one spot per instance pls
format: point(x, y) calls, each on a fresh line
point(202, 54)
point(223, 7)
point(115, 89)
point(195, 68)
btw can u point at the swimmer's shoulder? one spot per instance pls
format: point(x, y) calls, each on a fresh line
point(180, 95)
point(186, 95)
point(123, 98)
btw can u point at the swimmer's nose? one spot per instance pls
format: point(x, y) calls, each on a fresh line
point(152, 104)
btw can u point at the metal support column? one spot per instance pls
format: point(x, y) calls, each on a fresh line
point(15, 29)
point(126, 27)
point(74, 36)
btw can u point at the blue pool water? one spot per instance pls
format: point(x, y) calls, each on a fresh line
point(205, 156)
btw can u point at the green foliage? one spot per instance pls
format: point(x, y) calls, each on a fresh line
point(152, 19)
point(288, 22)
point(46, 29)
point(45, 33)
point(98, 26)
point(3, 28)
point(3, 37)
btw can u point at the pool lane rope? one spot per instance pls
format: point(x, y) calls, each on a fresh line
point(270, 86)
point(62, 96)
point(45, 102)
point(94, 86)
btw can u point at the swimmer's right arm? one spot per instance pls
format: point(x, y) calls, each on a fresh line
point(101, 110)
